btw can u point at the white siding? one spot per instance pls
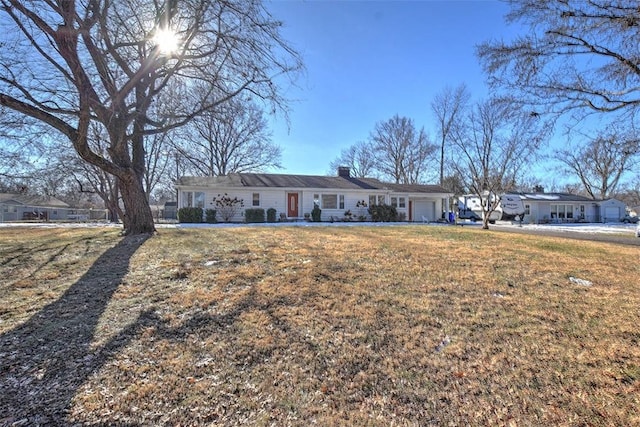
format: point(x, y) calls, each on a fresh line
point(351, 199)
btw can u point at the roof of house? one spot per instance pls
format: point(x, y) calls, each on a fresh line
point(32, 200)
point(257, 180)
point(557, 197)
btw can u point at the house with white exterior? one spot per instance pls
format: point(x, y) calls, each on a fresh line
point(294, 196)
point(563, 207)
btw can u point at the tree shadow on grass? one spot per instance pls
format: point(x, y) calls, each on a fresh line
point(44, 361)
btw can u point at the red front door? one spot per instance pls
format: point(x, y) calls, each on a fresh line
point(292, 205)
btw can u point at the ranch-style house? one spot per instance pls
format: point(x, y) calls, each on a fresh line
point(563, 207)
point(294, 196)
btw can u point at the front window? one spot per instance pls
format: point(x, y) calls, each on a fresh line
point(527, 209)
point(376, 199)
point(256, 199)
point(398, 202)
point(198, 199)
point(329, 201)
point(187, 199)
point(562, 211)
point(569, 209)
point(193, 199)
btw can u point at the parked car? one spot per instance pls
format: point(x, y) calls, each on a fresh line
point(628, 219)
point(469, 214)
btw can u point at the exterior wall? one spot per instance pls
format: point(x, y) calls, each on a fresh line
point(541, 212)
point(351, 199)
point(272, 198)
point(268, 199)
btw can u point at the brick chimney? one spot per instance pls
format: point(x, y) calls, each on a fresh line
point(344, 172)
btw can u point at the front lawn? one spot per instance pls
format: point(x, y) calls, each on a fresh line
point(372, 326)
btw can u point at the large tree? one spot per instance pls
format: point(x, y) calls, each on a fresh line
point(579, 56)
point(233, 137)
point(358, 158)
point(601, 163)
point(402, 153)
point(69, 64)
point(447, 106)
point(493, 143)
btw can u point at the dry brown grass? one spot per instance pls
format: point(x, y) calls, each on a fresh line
point(328, 326)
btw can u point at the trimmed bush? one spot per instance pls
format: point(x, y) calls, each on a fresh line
point(190, 215)
point(271, 215)
point(210, 216)
point(254, 215)
point(383, 213)
point(316, 214)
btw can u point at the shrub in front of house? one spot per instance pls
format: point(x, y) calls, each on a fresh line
point(271, 215)
point(227, 207)
point(316, 214)
point(210, 216)
point(190, 215)
point(383, 213)
point(254, 215)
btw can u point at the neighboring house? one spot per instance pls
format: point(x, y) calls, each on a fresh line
point(293, 196)
point(563, 207)
point(19, 207)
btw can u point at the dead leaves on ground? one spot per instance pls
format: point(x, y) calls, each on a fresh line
point(367, 326)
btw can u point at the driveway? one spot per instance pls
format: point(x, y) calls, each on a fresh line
point(622, 234)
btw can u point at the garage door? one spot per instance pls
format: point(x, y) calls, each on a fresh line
point(612, 214)
point(423, 208)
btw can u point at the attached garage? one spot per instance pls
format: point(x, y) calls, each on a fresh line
point(611, 214)
point(612, 210)
point(426, 209)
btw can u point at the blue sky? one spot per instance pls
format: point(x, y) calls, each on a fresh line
point(369, 60)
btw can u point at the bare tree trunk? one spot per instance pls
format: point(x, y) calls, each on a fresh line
point(442, 161)
point(137, 218)
point(485, 221)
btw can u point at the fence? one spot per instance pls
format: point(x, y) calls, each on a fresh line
point(27, 213)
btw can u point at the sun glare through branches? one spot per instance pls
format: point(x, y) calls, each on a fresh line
point(166, 40)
